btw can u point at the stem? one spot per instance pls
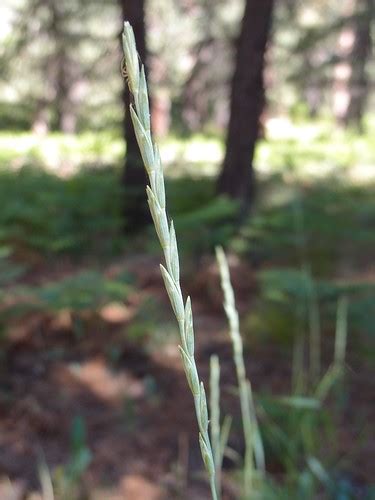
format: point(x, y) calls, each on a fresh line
point(215, 418)
point(213, 489)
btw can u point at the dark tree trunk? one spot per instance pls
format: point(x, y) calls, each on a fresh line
point(134, 178)
point(358, 85)
point(247, 99)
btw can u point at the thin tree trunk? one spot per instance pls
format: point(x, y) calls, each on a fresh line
point(134, 178)
point(40, 124)
point(360, 55)
point(247, 100)
point(66, 116)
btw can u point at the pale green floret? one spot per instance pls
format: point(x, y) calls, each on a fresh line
point(203, 408)
point(207, 456)
point(174, 296)
point(144, 142)
point(191, 373)
point(143, 101)
point(173, 254)
point(188, 328)
point(128, 42)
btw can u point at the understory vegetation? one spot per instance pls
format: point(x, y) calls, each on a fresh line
point(309, 244)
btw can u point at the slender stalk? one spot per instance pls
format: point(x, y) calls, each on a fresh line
point(298, 372)
point(45, 480)
point(215, 417)
point(315, 331)
point(219, 434)
point(140, 114)
point(336, 370)
point(341, 333)
point(312, 309)
point(253, 442)
point(298, 367)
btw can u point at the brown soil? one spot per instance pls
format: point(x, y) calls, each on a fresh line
point(137, 409)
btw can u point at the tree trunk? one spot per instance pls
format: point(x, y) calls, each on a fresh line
point(66, 117)
point(358, 85)
point(134, 177)
point(40, 124)
point(247, 100)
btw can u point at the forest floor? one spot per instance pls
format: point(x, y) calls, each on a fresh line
point(139, 424)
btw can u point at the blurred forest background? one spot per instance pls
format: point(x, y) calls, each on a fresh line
point(264, 113)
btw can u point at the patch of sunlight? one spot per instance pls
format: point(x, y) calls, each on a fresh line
point(197, 155)
point(60, 153)
point(116, 312)
point(104, 382)
point(294, 148)
point(316, 149)
point(63, 154)
point(130, 486)
point(282, 127)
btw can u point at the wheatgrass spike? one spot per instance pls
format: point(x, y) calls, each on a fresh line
point(140, 114)
point(253, 442)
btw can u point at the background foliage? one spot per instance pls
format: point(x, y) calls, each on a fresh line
point(84, 325)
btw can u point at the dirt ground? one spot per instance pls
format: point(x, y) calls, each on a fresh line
point(137, 409)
